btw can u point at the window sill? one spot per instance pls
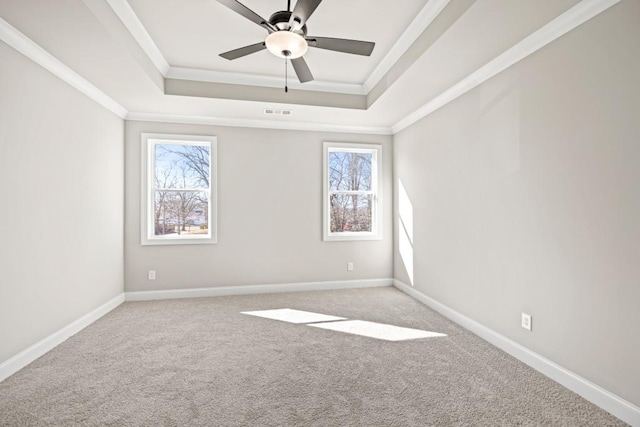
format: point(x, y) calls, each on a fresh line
point(351, 237)
point(179, 241)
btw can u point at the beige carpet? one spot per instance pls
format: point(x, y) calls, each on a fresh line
point(200, 362)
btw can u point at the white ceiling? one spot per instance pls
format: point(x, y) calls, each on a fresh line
point(192, 34)
point(427, 53)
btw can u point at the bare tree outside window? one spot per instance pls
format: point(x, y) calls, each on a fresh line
point(181, 197)
point(351, 194)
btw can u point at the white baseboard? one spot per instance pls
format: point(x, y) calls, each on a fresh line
point(22, 359)
point(255, 289)
point(626, 411)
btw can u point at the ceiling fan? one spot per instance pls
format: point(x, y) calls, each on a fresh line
point(288, 36)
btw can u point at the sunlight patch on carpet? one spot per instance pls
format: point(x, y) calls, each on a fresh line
point(293, 316)
point(378, 330)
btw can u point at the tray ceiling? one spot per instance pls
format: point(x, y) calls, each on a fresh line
point(191, 34)
point(158, 60)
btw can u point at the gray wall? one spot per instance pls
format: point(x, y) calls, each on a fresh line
point(61, 211)
point(525, 195)
point(269, 215)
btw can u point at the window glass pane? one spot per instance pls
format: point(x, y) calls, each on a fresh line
point(350, 171)
point(351, 212)
point(181, 166)
point(181, 213)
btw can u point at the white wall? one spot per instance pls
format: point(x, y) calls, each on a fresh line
point(269, 215)
point(61, 210)
point(526, 198)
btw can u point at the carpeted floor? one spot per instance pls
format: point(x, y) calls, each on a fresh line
point(200, 362)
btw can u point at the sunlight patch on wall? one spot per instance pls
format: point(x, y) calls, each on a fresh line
point(405, 230)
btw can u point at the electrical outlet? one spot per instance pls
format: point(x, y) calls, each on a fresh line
point(152, 275)
point(526, 321)
point(350, 266)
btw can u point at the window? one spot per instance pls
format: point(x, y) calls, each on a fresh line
point(352, 193)
point(178, 189)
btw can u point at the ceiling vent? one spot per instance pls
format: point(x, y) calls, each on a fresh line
point(275, 112)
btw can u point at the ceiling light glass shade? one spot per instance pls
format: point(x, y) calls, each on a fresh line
point(286, 44)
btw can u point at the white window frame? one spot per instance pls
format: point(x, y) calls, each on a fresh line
point(147, 223)
point(376, 185)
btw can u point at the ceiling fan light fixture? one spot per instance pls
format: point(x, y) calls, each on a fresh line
point(286, 44)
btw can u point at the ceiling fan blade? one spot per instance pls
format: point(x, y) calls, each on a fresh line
point(243, 51)
point(243, 10)
point(303, 10)
point(302, 70)
point(356, 47)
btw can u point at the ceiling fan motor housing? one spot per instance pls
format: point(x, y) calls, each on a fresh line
point(281, 19)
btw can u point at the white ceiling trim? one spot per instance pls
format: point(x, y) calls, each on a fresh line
point(123, 9)
point(425, 17)
point(262, 124)
point(27, 47)
point(420, 23)
point(127, 15)
point(14, 38)
point(254, 80)
point(574, 17)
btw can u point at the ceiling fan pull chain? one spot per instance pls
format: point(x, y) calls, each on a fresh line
point(286, 89)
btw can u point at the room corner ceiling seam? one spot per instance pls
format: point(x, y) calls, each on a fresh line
point(123, 10)
point(572, 18)
point(27, 47)
point(419, 24)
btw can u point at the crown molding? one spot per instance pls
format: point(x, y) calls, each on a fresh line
point(419, 24)
point(14, 38)
point(123, 9)
point(183, 73)
point(127, 15)
point(574, 17)
point(262, 124)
